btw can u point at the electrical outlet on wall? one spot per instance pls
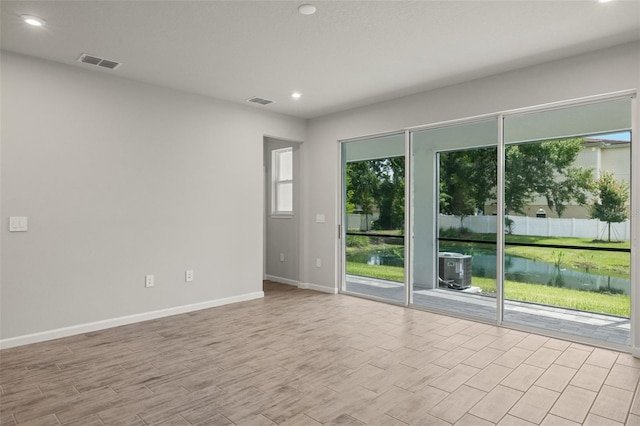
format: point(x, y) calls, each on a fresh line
point(281, 257)
point(18, 224)
point(149, 281)
point(318, 262)
point(188, 275)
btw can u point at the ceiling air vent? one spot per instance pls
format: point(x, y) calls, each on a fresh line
point(261, 101)
point(85, 58)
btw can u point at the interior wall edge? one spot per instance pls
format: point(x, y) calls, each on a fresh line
point(282, 280)
point(317, 287)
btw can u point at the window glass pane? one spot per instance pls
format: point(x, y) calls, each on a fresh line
point(374, 202)
point(282, 180)
point(284, 197)
point(567, 188)
point(590, 119)
point(285, 165)
point(467, 135)
point(376, 148)
point(454, 208)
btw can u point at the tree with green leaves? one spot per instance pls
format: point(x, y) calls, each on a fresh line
point(545, 169)
point(468, 181)
point(362, 187)
point(468, 177)
point(377, 184)
point(610, 202)
point(390, 196)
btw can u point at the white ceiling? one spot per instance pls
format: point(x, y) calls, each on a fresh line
point(349, 54)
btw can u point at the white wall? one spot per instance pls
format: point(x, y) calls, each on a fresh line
point(596, 73)
point(120, 179)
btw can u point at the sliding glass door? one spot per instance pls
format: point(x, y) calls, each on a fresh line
point(567, 257)
point(374, 217)
point(521, 218)
point(454, 194)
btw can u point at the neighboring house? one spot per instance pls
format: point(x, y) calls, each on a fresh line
point(599, 155)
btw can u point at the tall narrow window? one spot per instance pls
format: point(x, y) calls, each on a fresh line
point(282, 179)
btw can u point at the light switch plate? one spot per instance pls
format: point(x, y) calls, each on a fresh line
point(319, 218)
point(149, 281)
point(18, 224)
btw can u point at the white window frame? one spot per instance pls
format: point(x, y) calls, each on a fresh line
point(277, 181)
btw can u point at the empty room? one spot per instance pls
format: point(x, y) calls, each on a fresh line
point(319, 213)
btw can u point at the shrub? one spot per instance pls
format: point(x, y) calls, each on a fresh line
point(509, 224)
point(453, 232)
point(358, 241)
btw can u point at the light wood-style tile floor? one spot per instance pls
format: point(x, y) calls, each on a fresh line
point(299, 357)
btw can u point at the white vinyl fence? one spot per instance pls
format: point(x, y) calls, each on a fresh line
point(361, 222)
point(544, 227)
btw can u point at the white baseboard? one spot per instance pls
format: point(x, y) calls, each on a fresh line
point(316, 287)
point(282, 280)
point(304, 286)
point(129, 319)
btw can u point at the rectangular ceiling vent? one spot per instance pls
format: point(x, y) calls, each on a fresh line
point(261, 101)
point(85, 58)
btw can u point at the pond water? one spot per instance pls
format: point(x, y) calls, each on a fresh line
point(530, 271)
point(378, 257)
point(518, 269)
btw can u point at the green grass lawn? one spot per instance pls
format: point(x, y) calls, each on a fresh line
point(568, 241)
point(383, 272)
point(595, 262)
point(613, 304)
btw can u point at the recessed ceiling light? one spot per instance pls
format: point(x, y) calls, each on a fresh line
point(296, 95)
point(307, 9)
point(604, 1)
point(33, 20)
